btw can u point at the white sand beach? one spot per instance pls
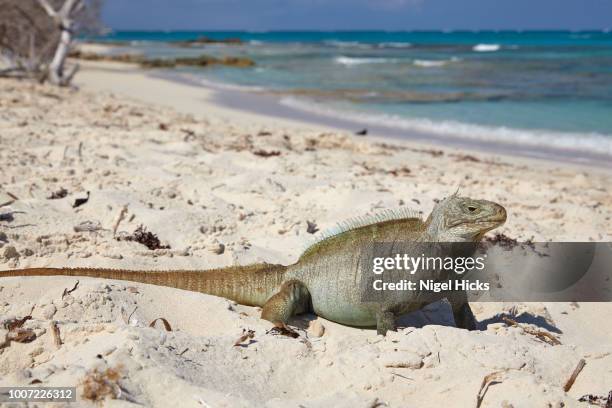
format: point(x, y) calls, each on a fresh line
point(223, 187)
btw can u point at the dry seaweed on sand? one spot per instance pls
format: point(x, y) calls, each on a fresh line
point(503, 240)
point(9, 216)
point(266, 153)
point(283, 331)
point(56, 195)
point(22, 335)
point(311, 227)
point(13, 324)
point(507, 243)
point(400, 171)
point(144, 237)
point(598, 400)
point(431, 152)
point(16, 332)
point(466, 158)
point(80, 201)
point(101, 384)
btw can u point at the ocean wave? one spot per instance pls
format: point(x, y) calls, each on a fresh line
point(594, 143)
point(350, 61)
point(229, 87)
point(434, 63)
point(347, 44)
point(393, 44)
point(486, 47)
point(430, 63)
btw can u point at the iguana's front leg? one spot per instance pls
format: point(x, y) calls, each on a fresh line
point(293, 298)
point(464, 318)
point(462, 312)
point(385, 321)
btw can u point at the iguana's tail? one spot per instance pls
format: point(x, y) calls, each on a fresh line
point(248, 285)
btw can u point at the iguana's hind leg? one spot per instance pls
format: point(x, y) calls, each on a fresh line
point(385, 321)
point(293, 298)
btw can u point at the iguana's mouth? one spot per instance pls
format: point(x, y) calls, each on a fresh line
point(493, 221)
point(489, 222)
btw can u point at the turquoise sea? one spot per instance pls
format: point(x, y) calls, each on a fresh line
point(540, 88)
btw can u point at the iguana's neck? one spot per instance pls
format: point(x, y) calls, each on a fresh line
point(434, 229)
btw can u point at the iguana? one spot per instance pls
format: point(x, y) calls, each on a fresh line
point(326, 277)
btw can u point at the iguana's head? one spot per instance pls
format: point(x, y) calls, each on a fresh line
point(458, 219)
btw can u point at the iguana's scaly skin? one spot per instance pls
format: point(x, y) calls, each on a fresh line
point(326, 278)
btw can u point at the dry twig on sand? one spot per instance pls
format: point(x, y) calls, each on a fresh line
point(540, 334)
point(16, 332)
point(487, 381)
point(246, 335)
point(574, 375)
point(56, 334)
point(67, 291)
point(164, 321)
point(120, 218)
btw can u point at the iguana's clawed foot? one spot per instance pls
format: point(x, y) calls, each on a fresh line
point(385, 321)
point(464, 318)
point(284, 330)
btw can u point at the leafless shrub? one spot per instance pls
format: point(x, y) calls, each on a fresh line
point(36, 36)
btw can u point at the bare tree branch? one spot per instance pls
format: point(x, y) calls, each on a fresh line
point(69, 8)
point(48, 8)
point(36, 36)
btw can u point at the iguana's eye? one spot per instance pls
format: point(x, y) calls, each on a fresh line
point(472, 209)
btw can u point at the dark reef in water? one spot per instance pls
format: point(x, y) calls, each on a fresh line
point(199, 61)
point(204, 40)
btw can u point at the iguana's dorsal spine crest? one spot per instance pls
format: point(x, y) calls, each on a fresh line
point(391, 214)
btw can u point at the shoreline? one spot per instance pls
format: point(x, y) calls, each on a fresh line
point(271, 106)
point(266, 106)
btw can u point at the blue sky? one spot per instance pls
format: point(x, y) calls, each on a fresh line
point(357, 14)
